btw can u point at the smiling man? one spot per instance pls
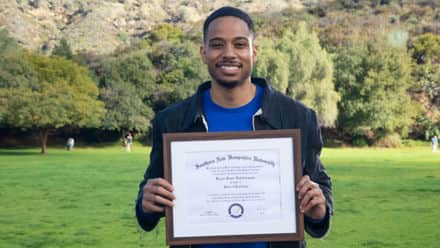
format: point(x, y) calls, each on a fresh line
point(234, 101)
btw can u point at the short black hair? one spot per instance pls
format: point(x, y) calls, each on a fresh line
point(227, 11)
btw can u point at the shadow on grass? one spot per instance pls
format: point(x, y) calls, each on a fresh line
point(18, 152)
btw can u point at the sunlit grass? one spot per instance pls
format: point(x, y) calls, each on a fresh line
point(85, 198)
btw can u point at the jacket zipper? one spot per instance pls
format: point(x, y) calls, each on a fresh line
point(259, 112)
point(205, 123)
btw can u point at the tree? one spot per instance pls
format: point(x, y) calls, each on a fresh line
point(146, 79)
point(125, 109)
point(298, 66)
point(426, 73)
point(427, 48)
point(373, 79)
point(15, 70)
point(62, 94)
point(166, 32)
point(426, 52)
point(126, 83)
point(272, 64)
point(180, 71)
point(63, 49)
point(8, 45)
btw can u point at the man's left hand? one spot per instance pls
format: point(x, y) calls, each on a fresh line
point(312, 200)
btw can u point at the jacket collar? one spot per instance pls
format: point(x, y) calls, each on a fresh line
point(269, 108)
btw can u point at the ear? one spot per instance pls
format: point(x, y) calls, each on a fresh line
point(254, 52)
point(203, 54)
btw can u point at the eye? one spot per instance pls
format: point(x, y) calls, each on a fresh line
point(240, 44)
point(216, 45)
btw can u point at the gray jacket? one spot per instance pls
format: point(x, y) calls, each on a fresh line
point(277, 112)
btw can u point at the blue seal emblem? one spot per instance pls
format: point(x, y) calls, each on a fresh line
point(236, 210)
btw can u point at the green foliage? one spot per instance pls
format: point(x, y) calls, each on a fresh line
point(271, 64)
point(126, 83)
point(16, 71)
point(371, 76)
point(359, 141)
point(427, 48)
point(298, 59)
point(426, 52)
point(180, 71)
point(61, 94)
point(389, 141)
point(430, 127)
point(63, 49)
point(65, 95)
point(125, 109)
point(123, 37)
point(373, 79)
point(148, 78)
point(427, 77)
point(8, 46)
point(166, 32)
point(350, 4)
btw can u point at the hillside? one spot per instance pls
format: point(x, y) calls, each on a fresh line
point(102, 26)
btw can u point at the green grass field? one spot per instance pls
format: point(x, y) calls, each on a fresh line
point(85, 198)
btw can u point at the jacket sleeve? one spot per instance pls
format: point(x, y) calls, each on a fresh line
point(315, 169)
point(155, 169)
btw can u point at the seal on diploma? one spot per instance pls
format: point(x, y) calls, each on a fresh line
point(236, 210)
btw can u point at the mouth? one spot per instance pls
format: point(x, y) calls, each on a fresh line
point(229, 68)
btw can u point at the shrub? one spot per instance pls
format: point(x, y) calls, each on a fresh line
point(391, 140)
point(359, 142)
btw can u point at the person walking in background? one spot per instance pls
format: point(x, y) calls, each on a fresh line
point(129, 141)
point(434, 142)
point(70, 143)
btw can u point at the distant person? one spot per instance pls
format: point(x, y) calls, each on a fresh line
point(129, 142)
point(434, 142)
point(70, 144)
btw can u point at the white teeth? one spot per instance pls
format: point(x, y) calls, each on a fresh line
point(229, 67)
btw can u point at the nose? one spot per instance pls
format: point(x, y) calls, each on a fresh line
point(229, 51)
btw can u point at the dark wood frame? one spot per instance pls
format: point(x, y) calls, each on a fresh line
point(289, 133)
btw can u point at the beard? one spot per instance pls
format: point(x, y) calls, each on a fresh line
point(227, 84)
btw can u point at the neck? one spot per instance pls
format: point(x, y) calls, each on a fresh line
point(233, 97)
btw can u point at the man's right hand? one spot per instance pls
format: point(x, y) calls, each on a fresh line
point(158, 194)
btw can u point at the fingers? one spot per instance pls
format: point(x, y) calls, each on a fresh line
point(302, 181)
point(160, 182)
point(304, 185)
point(311, 200)
point(158, 187)
point(311, 197)
point(150, 207)
point(157, 194)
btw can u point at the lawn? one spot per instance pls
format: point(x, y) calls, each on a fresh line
point(85, 198)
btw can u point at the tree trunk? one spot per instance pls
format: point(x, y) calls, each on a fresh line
point(43, 139)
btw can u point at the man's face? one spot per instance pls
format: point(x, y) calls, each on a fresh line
point(229, 51)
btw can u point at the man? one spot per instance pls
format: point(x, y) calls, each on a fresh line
point(70, 143)
point(129, 142)
point(233, 101)
point(434, 142)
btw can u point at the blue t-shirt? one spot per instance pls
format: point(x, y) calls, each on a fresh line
point(231, 119)
point(222, 119)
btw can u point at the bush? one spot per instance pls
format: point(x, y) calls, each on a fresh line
point(359, 142)
point(414, 143)
point(389, 141)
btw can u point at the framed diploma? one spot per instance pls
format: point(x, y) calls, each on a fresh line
point(233, 187)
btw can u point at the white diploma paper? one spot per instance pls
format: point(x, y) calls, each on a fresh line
point(233, 187)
